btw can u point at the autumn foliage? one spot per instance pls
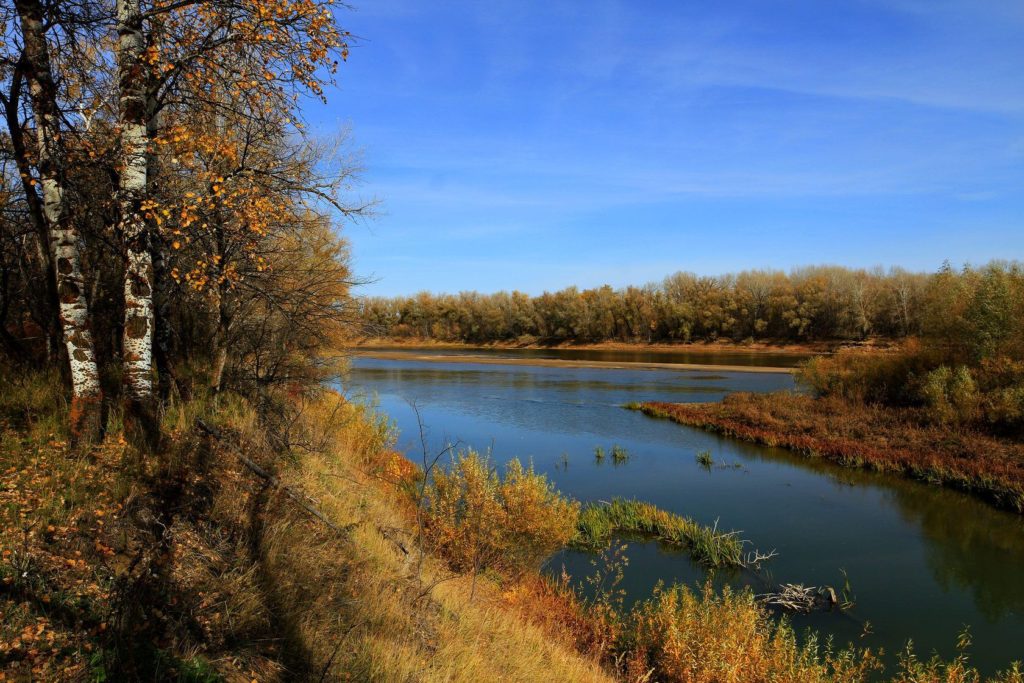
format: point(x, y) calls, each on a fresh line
point(479, 519)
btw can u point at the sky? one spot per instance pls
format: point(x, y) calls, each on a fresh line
point(537, 144)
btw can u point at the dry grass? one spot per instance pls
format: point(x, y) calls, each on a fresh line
point(123, 566)
point(379, 609)
point(854, 434)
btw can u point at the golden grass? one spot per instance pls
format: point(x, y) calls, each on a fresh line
point(244, 585)
point(402, 617)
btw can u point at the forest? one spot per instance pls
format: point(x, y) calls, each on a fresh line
point(821, 303)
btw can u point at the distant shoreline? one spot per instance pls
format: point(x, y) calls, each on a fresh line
point(557, 363)
point(690, 347)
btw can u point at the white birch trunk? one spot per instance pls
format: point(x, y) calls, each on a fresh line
point(137, 345)
point(74, 309)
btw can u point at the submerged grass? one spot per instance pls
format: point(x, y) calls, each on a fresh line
point(597, 525)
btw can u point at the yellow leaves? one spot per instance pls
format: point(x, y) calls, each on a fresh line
point(152, 55)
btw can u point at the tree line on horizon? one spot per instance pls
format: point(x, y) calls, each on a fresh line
point(814, 303)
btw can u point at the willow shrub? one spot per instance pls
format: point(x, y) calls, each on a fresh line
point(870, 376)
point(478, 519)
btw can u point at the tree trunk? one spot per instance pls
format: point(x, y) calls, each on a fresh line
point(220, 340)
point(86, 394)
point(137, 344)
point(163, 342)
point(46, 315)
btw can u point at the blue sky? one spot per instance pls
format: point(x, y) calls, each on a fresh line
point(533, 145)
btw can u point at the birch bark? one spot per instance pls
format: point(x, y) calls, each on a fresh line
point(137, 345)
point(86, 394)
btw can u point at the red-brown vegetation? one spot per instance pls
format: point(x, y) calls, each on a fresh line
point(856, 434)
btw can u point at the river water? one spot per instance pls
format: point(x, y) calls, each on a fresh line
point(922, 562)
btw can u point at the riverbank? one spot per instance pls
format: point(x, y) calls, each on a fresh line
point(195, 565)
point(229, 557)
point(557, 363)
point(721, 346)
point(896, 440)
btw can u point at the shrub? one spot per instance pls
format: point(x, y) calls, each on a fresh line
point(869, 376)
point(480, 520)
point(686, 638)
point(950, 395)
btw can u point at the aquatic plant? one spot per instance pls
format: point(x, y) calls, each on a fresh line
point(597, 524)
point(705, 460)
point(598, 455)
point(619, 454)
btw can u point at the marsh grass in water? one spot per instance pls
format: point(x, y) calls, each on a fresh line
point(619, 455)
point(705, 460)
point(597, 524)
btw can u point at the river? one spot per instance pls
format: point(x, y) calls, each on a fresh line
point(923, 562)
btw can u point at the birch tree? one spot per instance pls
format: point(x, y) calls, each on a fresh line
point(237, 59)
point(75, 319)
point(137, 344)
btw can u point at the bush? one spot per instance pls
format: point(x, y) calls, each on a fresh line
point(686, 638)
point(869, 376)
point(950, 395)
point(480, 520)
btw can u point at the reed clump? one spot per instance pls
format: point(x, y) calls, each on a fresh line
point(597, 524)
point(705, 637)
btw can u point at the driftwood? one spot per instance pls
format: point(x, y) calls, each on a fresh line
point(298, 497)
point(799, 598)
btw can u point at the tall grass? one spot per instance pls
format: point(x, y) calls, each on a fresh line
point(683, 637)
point(599, 523)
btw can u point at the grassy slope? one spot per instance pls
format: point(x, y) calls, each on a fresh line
point(859, 435)
point(243, 585)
